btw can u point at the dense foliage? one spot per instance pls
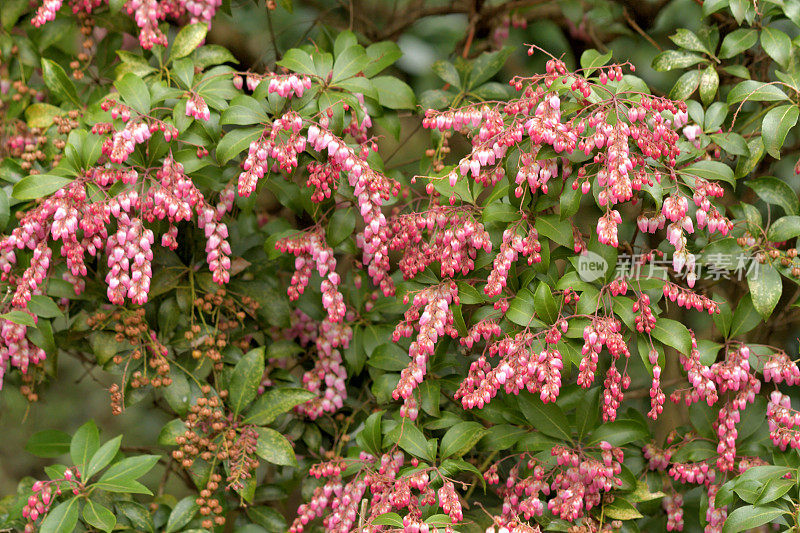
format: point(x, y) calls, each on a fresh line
point(574, 310)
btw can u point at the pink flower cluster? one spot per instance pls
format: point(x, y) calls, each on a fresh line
point(604, 331)
point(454, 240)
point(16, 350)
point(129, 259)
point(520, 367)
point(431, 317)
point(281, 142)
point(311, 252)
point(784, 422)
point(44, 494)
point(328, 375)
point(197, 108)
point(512, 245)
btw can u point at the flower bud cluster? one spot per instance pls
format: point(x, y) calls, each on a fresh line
point(327, 378)
point(122, 144)
point(129, 261)
point(780, 368)
point(689, 299)
point(196, 107)
point(673, 505)
point(280, 142)
point(311, 252)
point(657, 459)
point(44, 494)
point(454, 240)
point(16, 350)
point(431, 317)
point(147, 14)
point(784, 422)
point(512, 245)
point(700, 376)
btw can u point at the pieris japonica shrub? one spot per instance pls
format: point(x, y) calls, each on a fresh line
point(577, 312)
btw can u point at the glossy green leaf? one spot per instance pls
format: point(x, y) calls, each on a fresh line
point(546, 417)
point(672, 59)
point(122, 475)
point(776, 44)
point(235, 142)
point(102, 457)
point(710, 170)
point(776, 192)
point(99, 516)
point(750, 517)
point(413, 441)
point(765, 288)
point(349, 62)
point(188, 39)
point(273, 402)
point(38, 186)
point(686, 85)
point(40, 115)
point(674, 334)
point(487, 65)
point(447, 72)
point(461, 438)
point(134, 92)
point(273, 447)
point(620, 432)
point(370, 437)
point(751, 90)
point(784, 228)
point(48, 443)
point(63, 517)
point(393, 93)
point(59, 84)
point(84, 443)
point(245, 380)
point(181, 514)
point(688, 40)
point(709, 83)
point(737, 42)
point(776, 125)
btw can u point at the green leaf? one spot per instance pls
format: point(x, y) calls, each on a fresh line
point(275, 402)
point(381, 55)
point(620, 432)
point(137, 514)
point(487, 65)
point(102, 457)
point(84, 443)
point(673, 333)
point(41, 115)
point(776, 192)
point(737, 42)
point(44, 307)
point(388, 519)
point(242, 115)
point(99, 516)
point(555, 229)
point(447, 72)
point(181, 514)
point(49, 443)
point(777, 45)
point(750, 517)
point(63, 518)
point(621, 509)
point(393, 93)
point(122, 475)
point(235, 142)
point(59, 84)
point(298, 61)
point(273, 447)
point(212, 54)
point(171, 430)
point(715, 116)
point(134, 92)
point(784, 228)
point(709, 83)
point(370, 437)
point(591, 59)
point(774, 489)
point(38, 186)
point(710, 170)
point(765, 288)
point(688, 40)
point(755, 90)
point(731, 142)
point(672, 59)
point(461, 438)
point(546, 417)
point(544, 303)
point(686, 85)
point(187, 40)
point(776, 124)
point(268, 518)
point(341, 226)
point(19, 317)
point(349, 62)
point(521, 309)
point(413, 441)
point(246, 378)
